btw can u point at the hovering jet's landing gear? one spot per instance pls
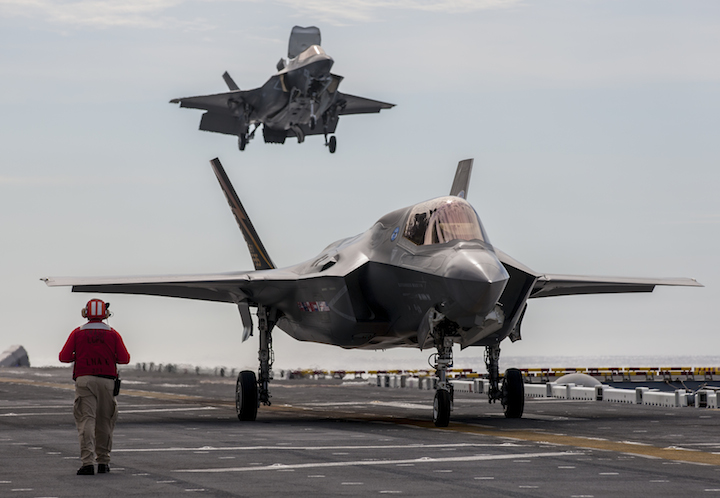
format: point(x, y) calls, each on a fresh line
point(331, 144)
point(512, 392)
point(313, 122)
point(242, 141)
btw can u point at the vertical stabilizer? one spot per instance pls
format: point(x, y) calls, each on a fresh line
point(462, 179)
point(260, 257)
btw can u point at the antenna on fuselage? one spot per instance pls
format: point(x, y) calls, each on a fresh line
point(461, 183)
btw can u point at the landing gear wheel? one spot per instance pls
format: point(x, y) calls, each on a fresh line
point(313, 122)
point(513, 393)
point(242, 142)
point(246, 396)
point(332, 144)
point(441, 408)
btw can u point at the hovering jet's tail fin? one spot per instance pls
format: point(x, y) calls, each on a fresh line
point(230, 82)
point(462, 179)
point(260, 257)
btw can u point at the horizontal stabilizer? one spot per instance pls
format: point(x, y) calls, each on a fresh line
point(260, 257)
point(462, 179)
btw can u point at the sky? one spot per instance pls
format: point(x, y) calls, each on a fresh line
point(594, 125)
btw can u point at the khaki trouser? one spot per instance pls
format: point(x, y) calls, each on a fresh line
point(95, 415)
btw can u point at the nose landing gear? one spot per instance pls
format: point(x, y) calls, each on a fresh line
point(443, 403)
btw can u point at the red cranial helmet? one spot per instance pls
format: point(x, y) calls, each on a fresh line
point(96, 309)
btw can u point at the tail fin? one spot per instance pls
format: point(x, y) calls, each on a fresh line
point(462, 179)
point(260, 257)
point(230, 82)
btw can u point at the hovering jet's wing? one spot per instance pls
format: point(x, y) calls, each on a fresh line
point(217, 102)
point(567, 285)
point(359, 105)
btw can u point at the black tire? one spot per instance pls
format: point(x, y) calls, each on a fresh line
point(441, 408)
point(513, 393)
point(332, 144)
point(246, 396)
point(242, 142)
point(313, 122)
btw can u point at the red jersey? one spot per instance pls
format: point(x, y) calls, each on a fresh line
point(95, 348)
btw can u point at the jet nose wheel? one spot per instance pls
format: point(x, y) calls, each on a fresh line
point(513, 393)
point(246, 396)
point(441, 408)
point(332, 144)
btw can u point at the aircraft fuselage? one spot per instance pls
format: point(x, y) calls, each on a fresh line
point(373, 291)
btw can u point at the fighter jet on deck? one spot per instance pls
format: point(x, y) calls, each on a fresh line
point(301, 99)
point(424, 276)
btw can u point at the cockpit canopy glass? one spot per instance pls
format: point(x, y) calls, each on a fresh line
point(444, 219)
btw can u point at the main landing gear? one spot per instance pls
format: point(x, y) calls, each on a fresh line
point(249, 392)
point(331, 143)
point(512, 391)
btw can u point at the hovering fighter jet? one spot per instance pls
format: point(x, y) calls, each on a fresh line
point(301, 99)
point(424, 276)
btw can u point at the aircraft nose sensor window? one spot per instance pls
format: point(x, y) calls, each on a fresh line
point(442, 220)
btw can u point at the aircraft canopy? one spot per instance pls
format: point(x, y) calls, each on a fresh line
point(444, 219)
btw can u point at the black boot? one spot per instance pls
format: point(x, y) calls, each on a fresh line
point(103, 468)
point(86, 470)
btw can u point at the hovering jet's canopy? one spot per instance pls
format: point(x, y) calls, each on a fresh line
point(302, 38)
point(442, 220)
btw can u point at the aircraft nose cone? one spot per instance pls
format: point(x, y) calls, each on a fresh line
point(474, 280)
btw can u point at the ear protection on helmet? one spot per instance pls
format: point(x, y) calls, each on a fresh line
point(96, 309)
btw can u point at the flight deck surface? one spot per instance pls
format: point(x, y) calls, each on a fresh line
point(178, 434)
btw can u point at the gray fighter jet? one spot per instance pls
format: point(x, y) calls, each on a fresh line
point(301, 99)
point(424, 276)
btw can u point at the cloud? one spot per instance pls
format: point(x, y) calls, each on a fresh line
point(153, 13)
point(702, 219)
point(97, 13)
point(36, 181)
point(334, 12)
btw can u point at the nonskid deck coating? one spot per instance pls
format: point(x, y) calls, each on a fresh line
point(178, 434)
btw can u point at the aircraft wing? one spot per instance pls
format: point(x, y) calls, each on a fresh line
point(548, 285)
point(216, 103)
point(567, 285)
point(360, 105)
point(231, 287)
